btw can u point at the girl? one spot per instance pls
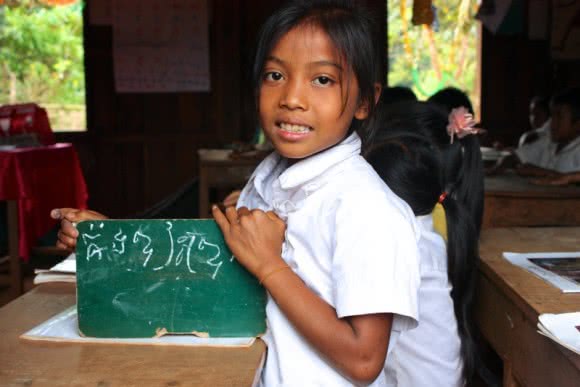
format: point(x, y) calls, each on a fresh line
point(461, 155)
point(334, 247)
point(441, 350)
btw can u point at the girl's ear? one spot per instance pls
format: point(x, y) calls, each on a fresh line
point(362, 112)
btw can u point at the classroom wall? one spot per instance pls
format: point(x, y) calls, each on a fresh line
point(140, 148)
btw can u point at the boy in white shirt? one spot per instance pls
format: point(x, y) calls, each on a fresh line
point(555, 154)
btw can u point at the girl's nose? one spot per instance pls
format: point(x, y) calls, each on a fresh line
point(294, 96)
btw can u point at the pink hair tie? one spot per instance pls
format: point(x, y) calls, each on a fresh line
point(442, 197)
point(461, 123)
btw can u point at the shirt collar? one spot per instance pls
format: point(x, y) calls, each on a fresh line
point(314, 166)
point(274, 174)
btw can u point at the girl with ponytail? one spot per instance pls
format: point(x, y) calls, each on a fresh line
point(426, 172)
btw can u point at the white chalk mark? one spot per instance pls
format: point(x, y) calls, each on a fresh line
point(146, 250)
point(121, 238)
point(212, 261)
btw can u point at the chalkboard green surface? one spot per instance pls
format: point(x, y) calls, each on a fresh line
point(141, 278)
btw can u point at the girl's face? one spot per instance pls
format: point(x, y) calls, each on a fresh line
point(308, 97)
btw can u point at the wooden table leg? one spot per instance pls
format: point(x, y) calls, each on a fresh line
point(15, 264)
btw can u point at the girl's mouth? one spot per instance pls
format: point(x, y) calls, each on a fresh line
point(294, 128)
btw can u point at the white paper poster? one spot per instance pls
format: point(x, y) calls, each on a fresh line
point(161, 45)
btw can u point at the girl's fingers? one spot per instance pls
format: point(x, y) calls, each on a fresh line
point(272, 216)
point(232, 215)
point(55, 214)
point(66, 240)
point(243, 211)
point(220, 219)
point(61, 245)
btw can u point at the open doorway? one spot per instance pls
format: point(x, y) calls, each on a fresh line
point(428, 58)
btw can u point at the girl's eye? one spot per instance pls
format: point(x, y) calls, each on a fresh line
point(273, 76)
point(323, 81)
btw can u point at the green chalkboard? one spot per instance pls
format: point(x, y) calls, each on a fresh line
point(140, 278)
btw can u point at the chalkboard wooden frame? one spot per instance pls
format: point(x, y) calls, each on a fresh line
point(145, 278)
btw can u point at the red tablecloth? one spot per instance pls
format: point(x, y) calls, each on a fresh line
point(40, 179)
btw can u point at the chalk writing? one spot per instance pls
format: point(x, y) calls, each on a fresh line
point(156, 251)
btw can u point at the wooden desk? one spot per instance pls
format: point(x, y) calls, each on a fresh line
point(65, 364)
point(510, 299)
point(218, 170)
point(512, 201)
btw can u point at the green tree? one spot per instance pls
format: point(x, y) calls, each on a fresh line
point(41, 53)
point(429, 58)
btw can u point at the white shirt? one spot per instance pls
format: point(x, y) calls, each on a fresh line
point(429, 355)
point(542, 131)
point(543, 154)
point(349, 238)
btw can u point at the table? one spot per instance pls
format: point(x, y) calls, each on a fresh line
point(66, 364)
point(33, 181)
point(510, 299)
point(218, 170)
point(512, 201)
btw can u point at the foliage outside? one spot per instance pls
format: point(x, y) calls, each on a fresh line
point(429, 58)
point(41, 59)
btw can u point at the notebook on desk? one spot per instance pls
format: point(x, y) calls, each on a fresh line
point(64, 271)
point(560, 269)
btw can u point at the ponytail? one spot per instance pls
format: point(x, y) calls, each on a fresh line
point(462, 256)
point(470, 190)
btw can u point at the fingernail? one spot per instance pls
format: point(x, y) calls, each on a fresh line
point(55, 214)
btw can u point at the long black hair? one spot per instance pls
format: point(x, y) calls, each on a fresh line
point(413, 166)
point(353, 32)
point(461, 160)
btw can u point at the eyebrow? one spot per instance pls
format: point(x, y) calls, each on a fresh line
point(275, 59)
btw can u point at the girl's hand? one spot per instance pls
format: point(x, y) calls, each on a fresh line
point(69, 217)
point(232, 198)
point(255, 238)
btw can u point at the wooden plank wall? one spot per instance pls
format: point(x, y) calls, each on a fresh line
point(139, 148)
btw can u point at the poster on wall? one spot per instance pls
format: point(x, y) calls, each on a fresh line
point(566, 29)
point(161, 46)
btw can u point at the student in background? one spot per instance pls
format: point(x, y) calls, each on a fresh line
point(334, 247)
point(441, 351)
point(558, 153)
point(453, 132)
point(539, 121)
